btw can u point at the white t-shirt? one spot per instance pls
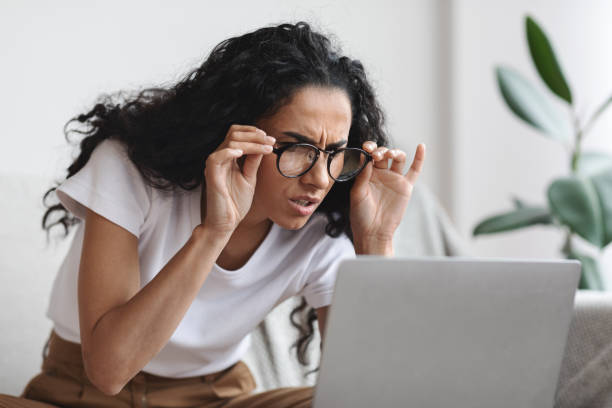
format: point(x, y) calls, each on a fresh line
point(214, 333)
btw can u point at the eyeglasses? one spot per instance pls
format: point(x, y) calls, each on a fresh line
point(296, 159)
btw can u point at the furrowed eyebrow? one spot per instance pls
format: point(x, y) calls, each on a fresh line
point(306, 139)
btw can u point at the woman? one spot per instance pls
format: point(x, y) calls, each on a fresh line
point(206, 205)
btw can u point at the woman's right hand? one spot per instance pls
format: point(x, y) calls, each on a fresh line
point(230, 189)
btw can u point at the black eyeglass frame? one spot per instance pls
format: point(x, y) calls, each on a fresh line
point(330, 155)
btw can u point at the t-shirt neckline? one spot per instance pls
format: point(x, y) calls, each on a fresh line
point(262, 249)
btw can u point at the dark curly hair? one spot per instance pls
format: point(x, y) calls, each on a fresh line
point(169, 132)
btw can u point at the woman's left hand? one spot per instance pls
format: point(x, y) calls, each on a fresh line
point(380, 196)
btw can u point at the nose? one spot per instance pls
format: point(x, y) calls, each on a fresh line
point(318, 176)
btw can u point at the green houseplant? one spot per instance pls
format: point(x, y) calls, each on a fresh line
point(579, 203)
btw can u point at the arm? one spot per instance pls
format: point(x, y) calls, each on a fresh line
point(374, 248)
point(380, 197)
point(123, 327)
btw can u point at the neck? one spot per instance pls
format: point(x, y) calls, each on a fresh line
point(245, 239)
point(243, 243)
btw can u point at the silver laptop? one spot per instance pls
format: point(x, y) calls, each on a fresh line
point(446, 332)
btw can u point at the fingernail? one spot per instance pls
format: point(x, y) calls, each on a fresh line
point(267, 148)
point(270, 139)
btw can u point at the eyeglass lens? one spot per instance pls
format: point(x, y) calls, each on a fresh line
point(345, 164)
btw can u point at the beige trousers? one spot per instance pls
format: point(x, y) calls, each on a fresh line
point(63, 383)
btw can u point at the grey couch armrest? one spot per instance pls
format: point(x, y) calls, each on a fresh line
point(585, 379)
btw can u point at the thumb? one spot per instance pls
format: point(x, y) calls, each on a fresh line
point(363, 178)
point(250, 166)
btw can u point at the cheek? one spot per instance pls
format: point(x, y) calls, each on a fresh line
point(269, 180)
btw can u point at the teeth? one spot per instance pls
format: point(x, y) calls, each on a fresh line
point(303, 203)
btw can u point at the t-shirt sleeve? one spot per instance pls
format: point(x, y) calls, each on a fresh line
point(110, 185)
point(322, 271)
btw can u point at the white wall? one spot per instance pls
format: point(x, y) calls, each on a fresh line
point(494, 154)
point(58, 56)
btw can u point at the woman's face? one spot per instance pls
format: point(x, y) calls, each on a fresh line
point(316, 115)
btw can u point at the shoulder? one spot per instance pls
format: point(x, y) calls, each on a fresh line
point(111, 159)
point(108, 156)
point(110, 185)
point(112, 150)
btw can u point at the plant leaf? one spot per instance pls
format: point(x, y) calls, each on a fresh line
point(545, 60)
point(591, 163)
point(602, 182)
point(575, 202)
point(590, 276)
point(531, 105)
point(518, 218)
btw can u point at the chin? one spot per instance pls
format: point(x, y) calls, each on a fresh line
point(291, 223)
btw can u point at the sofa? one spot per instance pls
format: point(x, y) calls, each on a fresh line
point(28, 263)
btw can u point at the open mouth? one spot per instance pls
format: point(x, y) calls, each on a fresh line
point(303, 203)
point(303, 206)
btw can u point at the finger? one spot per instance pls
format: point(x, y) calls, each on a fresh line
point(399, 161)
point(369, 146)
point(380, 159)
point(250, 148)
point(254, 137)
point(243, 128)
point(363, 178)
point(222, 156)
point(417, 164)
point(251, 165)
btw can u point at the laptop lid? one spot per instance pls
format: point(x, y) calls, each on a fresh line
point(446, 332)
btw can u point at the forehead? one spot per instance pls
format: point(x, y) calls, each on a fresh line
point(321, 114)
